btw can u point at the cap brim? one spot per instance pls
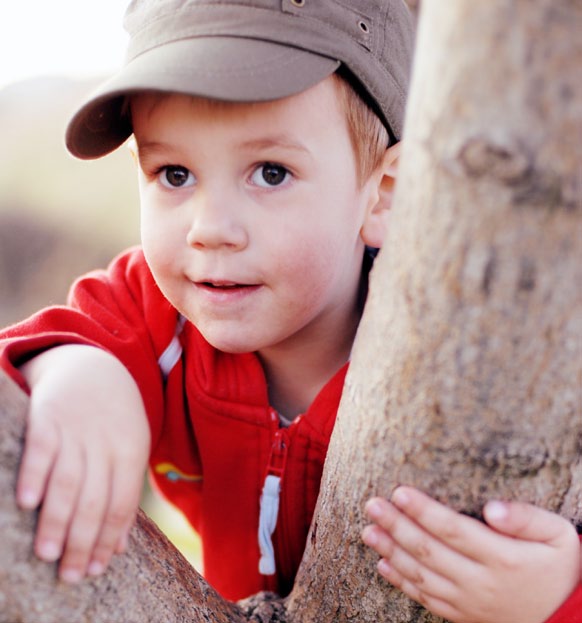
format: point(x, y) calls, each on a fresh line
point(222, 68)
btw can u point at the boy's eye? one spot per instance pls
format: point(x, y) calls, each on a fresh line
point(269, 174)
point(174, 176)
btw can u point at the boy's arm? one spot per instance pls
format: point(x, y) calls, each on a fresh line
point(119, 311)
point(86, 449)
point(519, 569)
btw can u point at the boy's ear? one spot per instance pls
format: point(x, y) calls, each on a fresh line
point(132, 146)
point(382, 180)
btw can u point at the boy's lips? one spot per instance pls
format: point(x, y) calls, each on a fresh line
point(221, 289)
point(223, 285)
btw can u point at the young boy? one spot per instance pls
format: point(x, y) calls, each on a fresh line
point(265, 139)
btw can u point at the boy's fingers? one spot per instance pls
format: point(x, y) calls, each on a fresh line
point(123, 541)
point(418, 582)
point(462, 534)
point(40, 450)
point(378, 540)
point(526, 522)
point(420, 544)
point(86, 522)
point(417, 593)
point(59, 503)
point(122, 506)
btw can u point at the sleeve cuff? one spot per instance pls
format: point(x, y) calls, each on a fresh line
point(571, 610)
point(14, 352)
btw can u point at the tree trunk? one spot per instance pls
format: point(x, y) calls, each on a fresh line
point(476, 303)
point(466, 377)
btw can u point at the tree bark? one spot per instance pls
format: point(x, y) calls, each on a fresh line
point(466, 378)
point(152, 582)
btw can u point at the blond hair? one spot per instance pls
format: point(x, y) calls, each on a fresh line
point(369, 137)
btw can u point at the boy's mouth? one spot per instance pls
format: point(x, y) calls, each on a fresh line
point(225, 286)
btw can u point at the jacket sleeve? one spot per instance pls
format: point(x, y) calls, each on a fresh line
point(571, 610)
point(120, 310)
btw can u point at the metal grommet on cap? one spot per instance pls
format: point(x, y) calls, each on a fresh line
point(364, 26)
point(298, 3)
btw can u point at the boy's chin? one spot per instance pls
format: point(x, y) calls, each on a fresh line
point(227, 345)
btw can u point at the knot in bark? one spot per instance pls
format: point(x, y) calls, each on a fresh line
point(508, 161)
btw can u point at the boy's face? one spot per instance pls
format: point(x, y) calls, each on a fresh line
point(251, 216)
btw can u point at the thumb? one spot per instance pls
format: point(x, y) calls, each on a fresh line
point(525, 521)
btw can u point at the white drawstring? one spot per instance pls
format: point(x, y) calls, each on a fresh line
point(268, 522)
point(173, 351)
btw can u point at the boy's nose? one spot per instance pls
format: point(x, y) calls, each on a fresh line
point(216, 224)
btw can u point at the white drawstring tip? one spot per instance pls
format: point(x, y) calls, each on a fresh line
point(267, 523)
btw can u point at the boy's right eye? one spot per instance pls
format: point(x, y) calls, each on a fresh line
point(175, 176)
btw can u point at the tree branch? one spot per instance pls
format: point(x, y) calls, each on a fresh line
point(151, 582)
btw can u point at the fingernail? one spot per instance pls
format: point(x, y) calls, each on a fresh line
point(384, 567)
point(71, 576)
point(496, 510)
point(27, 499)
point(95, 568)
point(369, 536)
point(48, 551)
point(400, 497)
point(374, 509)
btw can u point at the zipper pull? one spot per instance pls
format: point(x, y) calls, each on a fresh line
point(278, 456)
point(269, 507)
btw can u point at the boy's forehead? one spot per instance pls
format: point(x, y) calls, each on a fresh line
point(322, 97)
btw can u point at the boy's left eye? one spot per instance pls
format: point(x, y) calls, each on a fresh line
point(268, 175)
point(175, 176)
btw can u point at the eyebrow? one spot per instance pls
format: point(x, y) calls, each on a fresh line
point(279, 140)
point(147, 148)
point(152, 150)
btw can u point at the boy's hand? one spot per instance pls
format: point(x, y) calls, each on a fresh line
point(87, 445)
point(518, 570)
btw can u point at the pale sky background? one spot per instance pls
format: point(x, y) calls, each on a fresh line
point(77, 38)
